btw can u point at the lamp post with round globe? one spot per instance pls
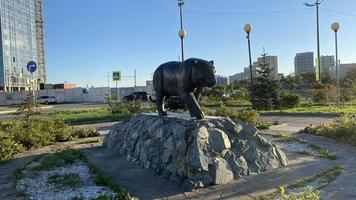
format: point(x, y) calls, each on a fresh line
point(248, 29)
point(181, 32)
point(335, 27)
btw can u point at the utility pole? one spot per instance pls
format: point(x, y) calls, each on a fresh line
point(316, 5)
point(135, 79)
point(108, 79)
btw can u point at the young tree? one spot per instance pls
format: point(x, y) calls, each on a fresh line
point(264, 90)
point(28, 108)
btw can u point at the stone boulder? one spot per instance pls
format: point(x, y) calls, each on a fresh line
point(194, 153)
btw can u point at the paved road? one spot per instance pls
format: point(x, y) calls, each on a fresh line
point(295, 123)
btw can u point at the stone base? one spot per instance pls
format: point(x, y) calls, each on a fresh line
point(195, 153)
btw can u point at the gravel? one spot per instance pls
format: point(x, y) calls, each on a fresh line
point(36, 185)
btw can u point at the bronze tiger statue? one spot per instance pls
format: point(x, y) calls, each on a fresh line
point(185, 79)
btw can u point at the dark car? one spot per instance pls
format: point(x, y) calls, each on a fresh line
point(137, 96)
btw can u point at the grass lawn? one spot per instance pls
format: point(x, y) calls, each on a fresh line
point(316, 109)
point(228, 103)
point(76, 117)
point(96, 115)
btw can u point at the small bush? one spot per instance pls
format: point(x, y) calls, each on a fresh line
point(323, 93)
point(85, 132)
point(343, 129)
point(263, 125)
point(124, 107)
point(40, 132)
point(289, 100)
point(248, 115)
point(9, 147)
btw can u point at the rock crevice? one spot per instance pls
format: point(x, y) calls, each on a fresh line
point(195, 153)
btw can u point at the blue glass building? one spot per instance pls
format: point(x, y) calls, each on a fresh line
point(18, 44)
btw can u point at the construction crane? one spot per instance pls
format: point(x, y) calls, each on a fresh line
point(41, 60)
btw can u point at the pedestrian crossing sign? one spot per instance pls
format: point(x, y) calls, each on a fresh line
point(116, 76)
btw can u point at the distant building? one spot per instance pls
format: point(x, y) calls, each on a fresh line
point(221, 80)
point(344, 69)
point(149, 87)
point(64, 86)
point(326, 65)
point(237, 77)
point(272, 63)
point(254, 71)
point(304, 63)
point(280, 76)
point(21, 41)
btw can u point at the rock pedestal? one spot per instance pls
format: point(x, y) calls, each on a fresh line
point(195, 153)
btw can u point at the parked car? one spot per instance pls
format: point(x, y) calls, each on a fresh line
point(137, 96)
point(46, 99)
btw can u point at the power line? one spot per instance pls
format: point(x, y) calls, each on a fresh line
point(246, 12)
point(264, 12)
point(338, 12)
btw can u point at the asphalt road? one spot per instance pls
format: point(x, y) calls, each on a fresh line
point(296, 122)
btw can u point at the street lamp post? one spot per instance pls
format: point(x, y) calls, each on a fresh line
point(316, 5)
point(181, 32)
point(335, 27)
point(248, 29)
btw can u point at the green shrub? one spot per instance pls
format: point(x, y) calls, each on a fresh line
point(263, 125)
point(248, 115)
point(289, 100)
point(85, 132)
point(124, 107)
point(8, 147)
point(323, 93)
point(39, 132)
point(28, 134)
point(343, 129)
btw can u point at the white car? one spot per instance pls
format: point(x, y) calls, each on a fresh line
point(46, 99)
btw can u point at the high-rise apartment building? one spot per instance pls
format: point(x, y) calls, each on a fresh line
point(222, 80)
point(326, 64)
point(21, 41)
point(272, 63)
point(304, 63)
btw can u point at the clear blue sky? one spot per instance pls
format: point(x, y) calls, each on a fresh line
point(86, 39)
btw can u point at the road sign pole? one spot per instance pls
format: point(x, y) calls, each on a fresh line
point(117, 91)
point(32, 89)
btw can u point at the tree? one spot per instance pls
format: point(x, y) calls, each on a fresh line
point(264, 90)
point(28, 108)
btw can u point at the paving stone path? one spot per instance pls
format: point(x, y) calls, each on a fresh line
point(147, 185)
